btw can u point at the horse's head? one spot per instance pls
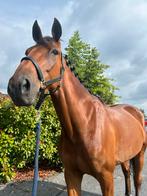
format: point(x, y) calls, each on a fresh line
point(43, 61)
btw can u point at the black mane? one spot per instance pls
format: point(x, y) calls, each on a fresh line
point(72, 68)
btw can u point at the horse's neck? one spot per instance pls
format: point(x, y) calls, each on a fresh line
point(72, 103)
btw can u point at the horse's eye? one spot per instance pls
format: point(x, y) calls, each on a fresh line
point(55, 52)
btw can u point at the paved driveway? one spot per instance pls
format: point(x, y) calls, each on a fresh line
point(55, 186)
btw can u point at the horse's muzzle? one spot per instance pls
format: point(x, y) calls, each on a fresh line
point(21, 91)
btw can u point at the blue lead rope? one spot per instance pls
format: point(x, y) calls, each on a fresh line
point(38, 131)
point(36, 176)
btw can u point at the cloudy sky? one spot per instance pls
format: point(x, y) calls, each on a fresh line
point(117, 28)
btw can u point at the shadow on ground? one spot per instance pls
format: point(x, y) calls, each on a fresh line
point(55, 186)
point(45, 188)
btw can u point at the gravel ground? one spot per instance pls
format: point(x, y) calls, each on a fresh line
point(55, 186)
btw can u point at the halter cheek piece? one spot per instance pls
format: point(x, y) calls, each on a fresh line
point(45, 84)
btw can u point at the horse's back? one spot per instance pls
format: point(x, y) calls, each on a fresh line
point(135, 112)
point(128, 125)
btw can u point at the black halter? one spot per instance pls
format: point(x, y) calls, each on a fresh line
point(45, 84)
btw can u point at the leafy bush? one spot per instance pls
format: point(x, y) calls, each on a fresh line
point(17, 137)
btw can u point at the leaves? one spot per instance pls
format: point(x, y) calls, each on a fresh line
point(17, 137)
point(85, 62)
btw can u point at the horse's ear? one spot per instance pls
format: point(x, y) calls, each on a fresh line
point(36, 32)
point(56, 30)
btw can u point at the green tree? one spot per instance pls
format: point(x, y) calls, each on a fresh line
point(84, 60)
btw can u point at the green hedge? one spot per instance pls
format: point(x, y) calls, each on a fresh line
point(17, 137)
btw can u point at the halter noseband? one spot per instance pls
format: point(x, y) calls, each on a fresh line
point(45, 84)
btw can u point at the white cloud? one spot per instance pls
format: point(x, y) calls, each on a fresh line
point(117, 28)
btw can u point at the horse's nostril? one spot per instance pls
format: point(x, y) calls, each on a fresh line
point(25, 86)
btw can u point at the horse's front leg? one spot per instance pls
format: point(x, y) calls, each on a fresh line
point(73, 180)
point(107, 183)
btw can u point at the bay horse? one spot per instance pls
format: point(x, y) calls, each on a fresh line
point(95, 137)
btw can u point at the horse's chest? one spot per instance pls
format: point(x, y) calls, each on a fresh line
point(75, 157)
point(80, 156)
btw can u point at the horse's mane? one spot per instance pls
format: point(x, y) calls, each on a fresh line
point(72, 68)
